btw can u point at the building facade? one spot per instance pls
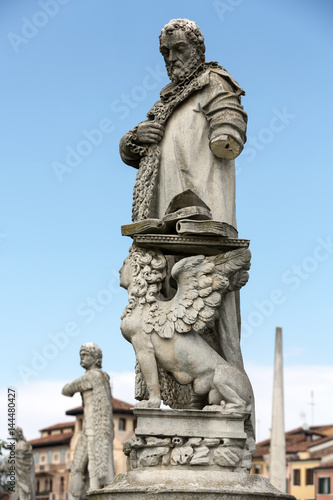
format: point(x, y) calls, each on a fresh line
point(52, 461)
point(323, 479)
point(306, 450)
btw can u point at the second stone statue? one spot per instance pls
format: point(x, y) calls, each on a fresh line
point(92, 466)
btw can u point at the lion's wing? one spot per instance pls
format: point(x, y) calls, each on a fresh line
point(234, 265)
point(201, 283)
point(195, 303)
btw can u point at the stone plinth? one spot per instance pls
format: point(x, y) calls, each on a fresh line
point(188, 454)
point(188, 485)
point(183, 439)
point(174, 243)
point(190, 423)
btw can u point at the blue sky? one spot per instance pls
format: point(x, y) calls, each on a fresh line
point(70, 68)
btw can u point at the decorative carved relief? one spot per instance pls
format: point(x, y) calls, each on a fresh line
point(178, 451)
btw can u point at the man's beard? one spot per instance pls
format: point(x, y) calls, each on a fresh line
point(184, 69)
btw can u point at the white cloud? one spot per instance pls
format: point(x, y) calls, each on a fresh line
point(122, 386)
point(41, 404)
point(299, 381)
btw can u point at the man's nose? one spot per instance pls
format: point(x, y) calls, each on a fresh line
point(172, 55)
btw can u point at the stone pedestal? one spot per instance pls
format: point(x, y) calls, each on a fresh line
point(188, 485)
point(188, 454)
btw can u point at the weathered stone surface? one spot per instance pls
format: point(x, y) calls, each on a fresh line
point(277, 466)
point(188, 485)
point(93, 457)
point(191, 423)
point(187, 439)
point(174, 243)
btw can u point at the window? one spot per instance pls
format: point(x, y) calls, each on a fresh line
point(309, 476)
point(122, 424)
point(62, 484)
point(49, 457)
point(36, 458)
point(51, 484)
point(42, 458)
point(56, 457)
point(62, 455)
point(37, 486)
point(324, 485)
point(296, 477)
point(46, 485)
point(257, 469)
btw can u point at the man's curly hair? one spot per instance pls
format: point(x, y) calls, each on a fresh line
point(148, 271)
point(192, 32)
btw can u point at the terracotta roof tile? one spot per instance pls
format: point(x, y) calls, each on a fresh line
point(58, 426)
point(322, 453)
point(296, 439)
point(117, 406)
point(326, 465)
point(260, 452)
point(53, 439)
point(121, 405)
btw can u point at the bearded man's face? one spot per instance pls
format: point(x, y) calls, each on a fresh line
point(180, 55)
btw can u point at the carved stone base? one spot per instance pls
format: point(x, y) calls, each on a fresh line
point(184, 439)
point(188, 455)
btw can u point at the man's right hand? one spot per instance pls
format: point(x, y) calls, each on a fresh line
point(149, 132)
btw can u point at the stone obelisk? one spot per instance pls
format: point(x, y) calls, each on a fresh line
point(278, 443)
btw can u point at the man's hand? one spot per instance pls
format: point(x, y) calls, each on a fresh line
point(67, 390)
point(149, 132)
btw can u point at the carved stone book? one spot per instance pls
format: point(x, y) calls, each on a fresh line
point(168, 223)
point(206, 227)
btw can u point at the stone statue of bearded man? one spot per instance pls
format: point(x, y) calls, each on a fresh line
point(193, 133)
point(189, 142)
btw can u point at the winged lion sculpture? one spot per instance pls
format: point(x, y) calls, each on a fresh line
point(169, 330)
